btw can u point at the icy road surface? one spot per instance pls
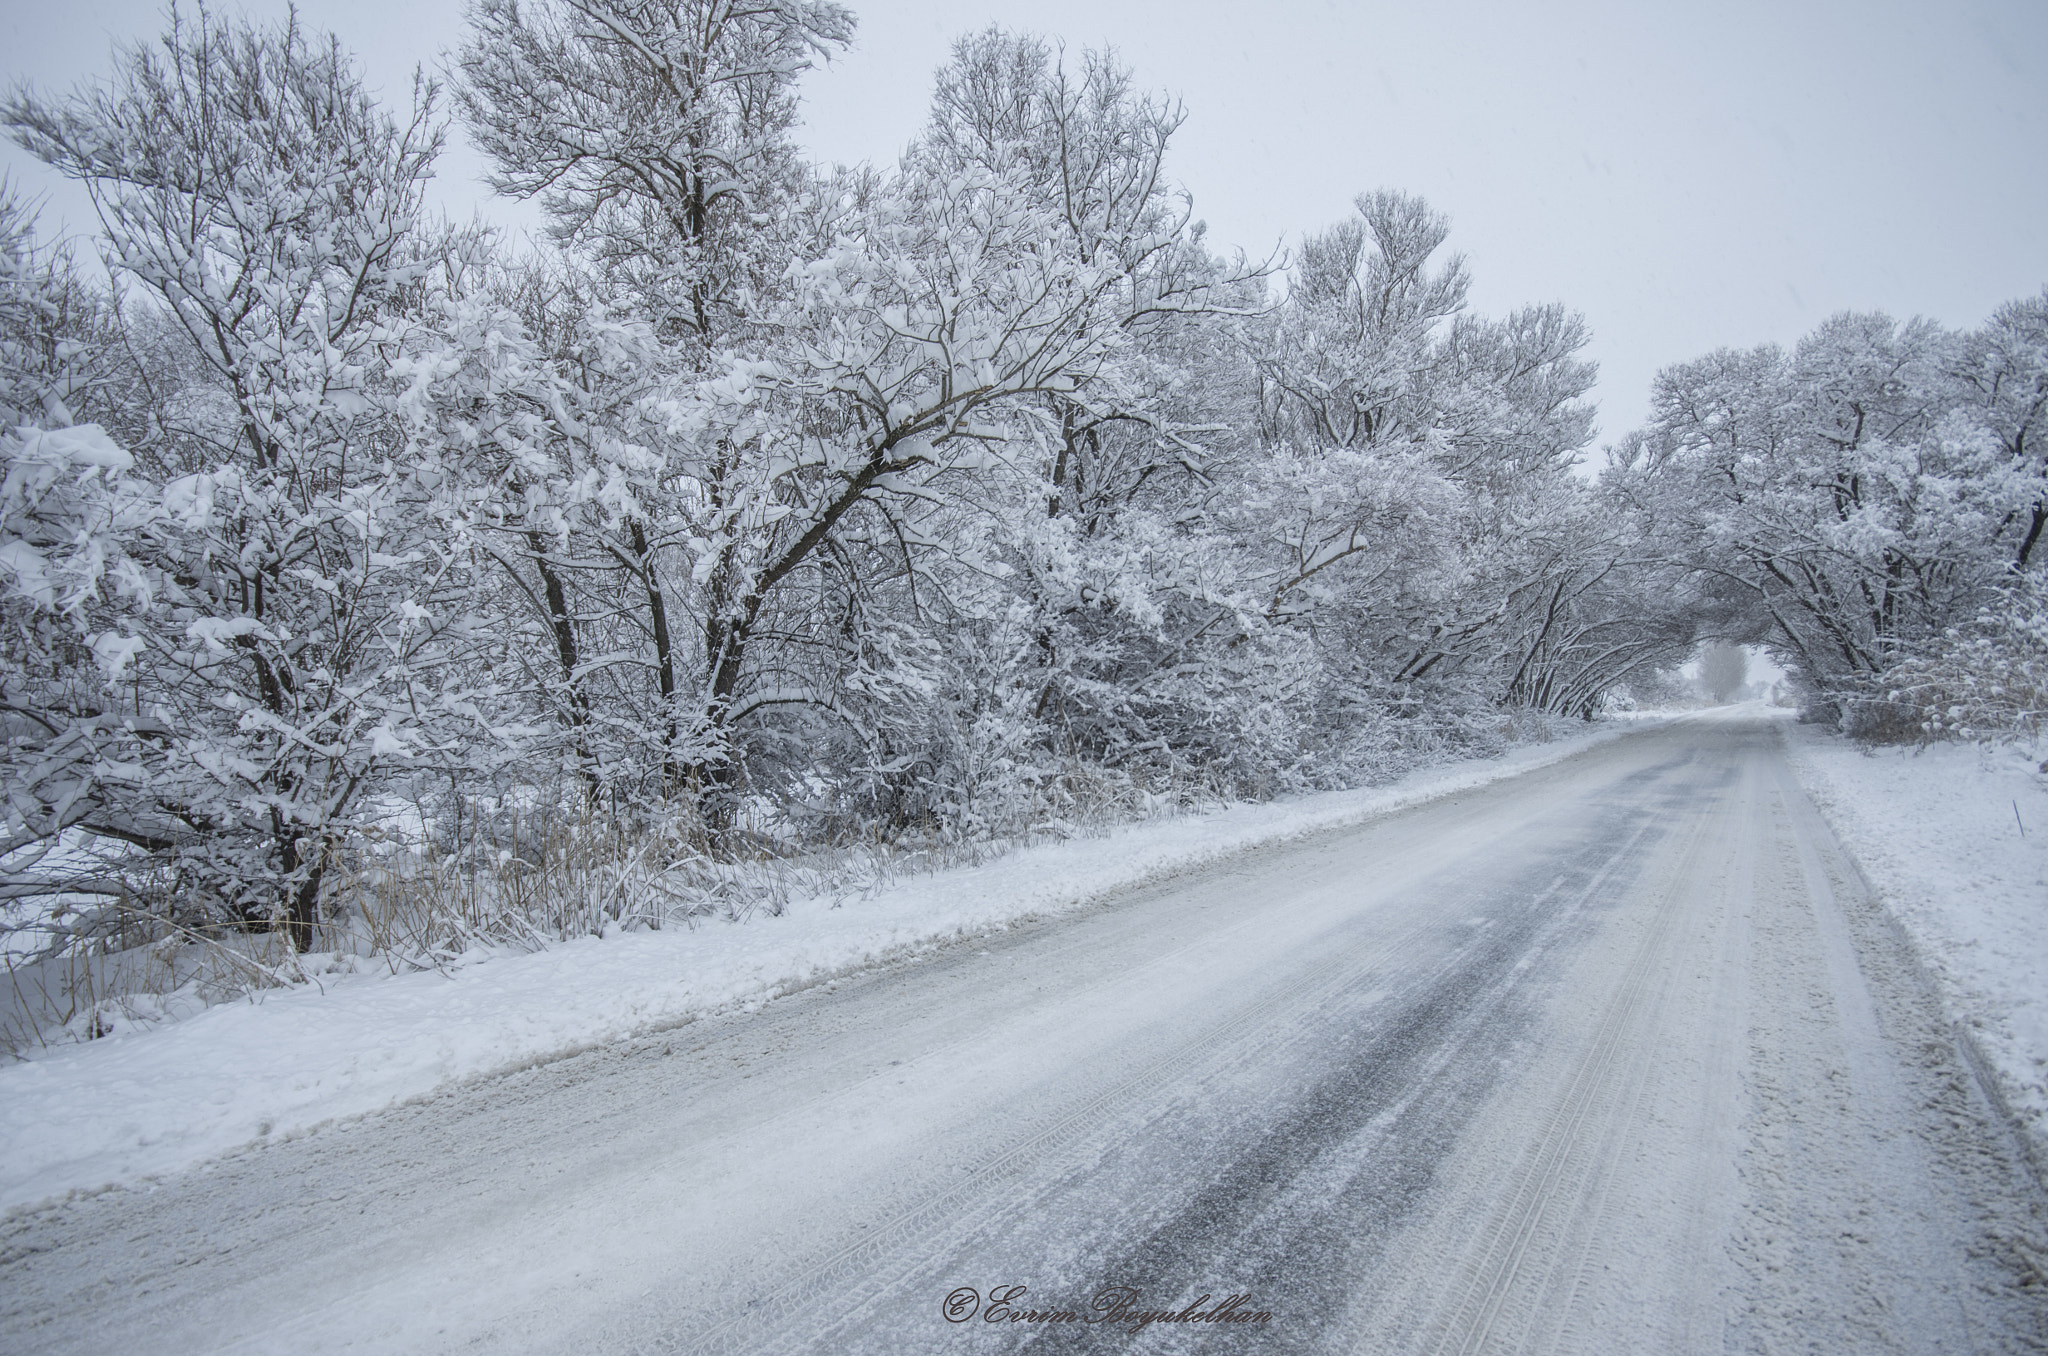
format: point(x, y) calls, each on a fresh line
point(1614, 1056)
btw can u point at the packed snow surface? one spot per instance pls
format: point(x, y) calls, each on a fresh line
point(152, 1101)
point(1954, 839)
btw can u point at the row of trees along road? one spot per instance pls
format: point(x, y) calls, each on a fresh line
point(769, 503)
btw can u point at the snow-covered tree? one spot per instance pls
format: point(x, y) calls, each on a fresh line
point(1722, 669)
point(2002, 368)
point(654, 132)
point(1417, 508)
point(1102, 636)
point(1853, 496)
point(306, 612)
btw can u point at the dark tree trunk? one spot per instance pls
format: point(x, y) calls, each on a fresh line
point(2033, 536)
point(566, 654)
point(664, 657)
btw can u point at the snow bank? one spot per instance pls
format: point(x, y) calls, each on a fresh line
point(157, 1100)
point(1954, 839)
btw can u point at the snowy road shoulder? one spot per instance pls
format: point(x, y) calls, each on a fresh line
point(156, 1101)
point(1954, 839)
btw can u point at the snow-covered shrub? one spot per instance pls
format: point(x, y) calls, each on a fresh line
point(1985, 681)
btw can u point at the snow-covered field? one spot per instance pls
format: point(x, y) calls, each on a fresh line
point(155, 1100)
point(1954, 839)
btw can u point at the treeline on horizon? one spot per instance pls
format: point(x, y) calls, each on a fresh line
point(769, 505)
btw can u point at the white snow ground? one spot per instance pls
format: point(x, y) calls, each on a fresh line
point(1953, 839)
point(152, 1101)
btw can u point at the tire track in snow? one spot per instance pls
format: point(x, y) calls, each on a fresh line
point(1698, 898)
point(1278, 1202)
point(1411, 1050)
point(1538, 1204)
point(857, 1260)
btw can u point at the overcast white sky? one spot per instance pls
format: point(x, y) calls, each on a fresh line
point(1688, 176)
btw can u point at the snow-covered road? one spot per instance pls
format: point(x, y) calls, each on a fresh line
point(1612, 1056)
